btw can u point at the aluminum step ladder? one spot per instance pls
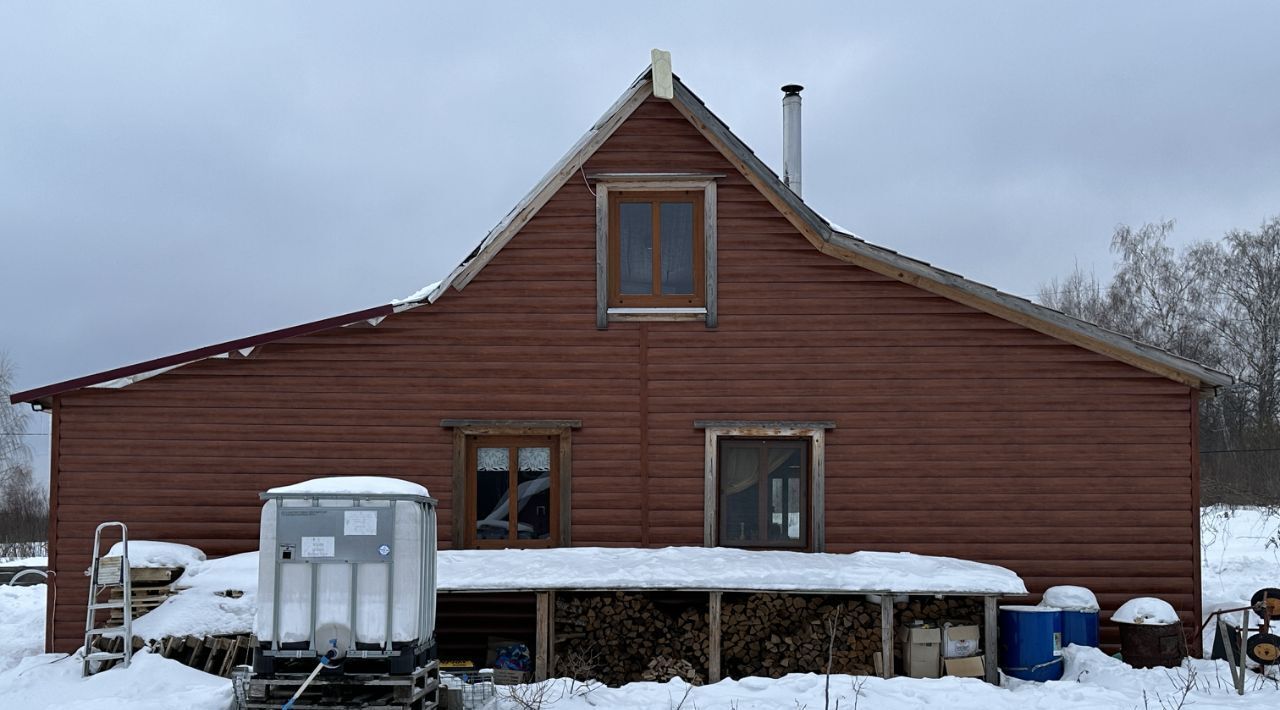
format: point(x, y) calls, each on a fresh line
point(105, 574)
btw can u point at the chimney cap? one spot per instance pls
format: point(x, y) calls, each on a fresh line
point(792, 89)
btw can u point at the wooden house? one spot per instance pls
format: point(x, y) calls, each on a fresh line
point(663, 344)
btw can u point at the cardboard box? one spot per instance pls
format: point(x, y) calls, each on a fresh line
point(960, 641)
point(971, 667)
point(920, 652)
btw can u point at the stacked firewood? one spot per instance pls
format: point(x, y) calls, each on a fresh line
point(626, 637)
point(935, 611)
point(775, 634)
point(621, 637)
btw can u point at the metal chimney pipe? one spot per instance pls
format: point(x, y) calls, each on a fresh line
point(791, 136)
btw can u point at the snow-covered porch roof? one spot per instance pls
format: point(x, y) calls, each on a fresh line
point(719, 569)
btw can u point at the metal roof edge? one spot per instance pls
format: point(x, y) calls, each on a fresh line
point(1208, 378)
point(128, 374)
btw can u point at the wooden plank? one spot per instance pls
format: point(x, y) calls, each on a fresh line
point(990, 639)
point(710, 504)
point(644, 435)
point(564, 505)
point(52, 584)
point(735, 426)
point(602, 257)
point(818, 490)
point(545, 636)
point(886, 635)
point(572, 163)
point(710, 269)
point(458, 505)
point(713, 637)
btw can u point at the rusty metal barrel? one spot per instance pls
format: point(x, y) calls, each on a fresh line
point(1150, 634)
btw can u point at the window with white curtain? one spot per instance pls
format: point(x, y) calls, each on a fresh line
point(512, 482)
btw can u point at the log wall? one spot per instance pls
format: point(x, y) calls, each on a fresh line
point(957, 433)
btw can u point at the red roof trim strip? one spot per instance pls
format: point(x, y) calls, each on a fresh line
point(200, 353)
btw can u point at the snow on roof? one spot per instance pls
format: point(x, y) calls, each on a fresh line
point(1146, 610)
point(422, 294)
point(149, 553)
point(355, 485)
point(718, 568)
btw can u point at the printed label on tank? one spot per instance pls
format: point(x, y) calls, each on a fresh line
point(1057, 643)
point(360, 522)
point(317, 547)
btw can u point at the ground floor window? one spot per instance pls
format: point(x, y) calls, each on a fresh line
point(511, 482)
point(764, 492)
point(764, 484)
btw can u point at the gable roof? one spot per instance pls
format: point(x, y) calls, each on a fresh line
point(821, 233)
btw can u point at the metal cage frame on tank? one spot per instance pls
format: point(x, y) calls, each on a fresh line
point(282, 546)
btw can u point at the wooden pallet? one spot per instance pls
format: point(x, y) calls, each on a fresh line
point(218, 655)
point(149, 588)
point(416, 691)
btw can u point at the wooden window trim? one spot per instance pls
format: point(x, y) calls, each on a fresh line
point(606, 276)
point(463, 491)
point(815, 432)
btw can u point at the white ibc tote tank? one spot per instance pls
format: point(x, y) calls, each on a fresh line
point(346, 570)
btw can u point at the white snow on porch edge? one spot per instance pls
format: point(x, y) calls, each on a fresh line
point(714, 568)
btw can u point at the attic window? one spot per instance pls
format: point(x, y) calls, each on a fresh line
point(655, 249)
point(656, 244)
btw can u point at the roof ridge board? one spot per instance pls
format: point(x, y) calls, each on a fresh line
point(552, 180)
point(828, 233)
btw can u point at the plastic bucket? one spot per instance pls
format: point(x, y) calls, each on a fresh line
point(1079, 627)
point(1031, 642)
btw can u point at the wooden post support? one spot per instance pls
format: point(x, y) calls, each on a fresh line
point(713, 638)
point(989, 639)
point(886, 636)
point(546, 636)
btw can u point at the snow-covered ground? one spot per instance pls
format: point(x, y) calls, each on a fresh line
point(1093, 680)
point(21, 624)
point(1240, 556)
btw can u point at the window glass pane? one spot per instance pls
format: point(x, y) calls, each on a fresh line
point(739, 494)
point(677, 247)
point(635, 247)
point(492, 484)
point(534, 494)
point(785, 494)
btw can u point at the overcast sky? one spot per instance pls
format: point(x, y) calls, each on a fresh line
point(178, 174)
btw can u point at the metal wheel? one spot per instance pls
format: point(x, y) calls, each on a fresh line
point(1266, 601)
point(1264, 649)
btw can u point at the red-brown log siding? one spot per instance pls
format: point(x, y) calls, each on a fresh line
point(957, 433)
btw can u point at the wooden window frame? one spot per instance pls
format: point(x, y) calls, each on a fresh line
point(512, 443)
point(762, 493)
point(656, 299)
point(468, 431)
point(815, 432)
point(608, 185)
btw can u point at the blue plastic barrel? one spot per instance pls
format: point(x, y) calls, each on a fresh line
point(1031, 642)
point(1079, 627)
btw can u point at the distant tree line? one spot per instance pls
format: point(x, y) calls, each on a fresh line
point(24, 505)
point(1216, 302)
